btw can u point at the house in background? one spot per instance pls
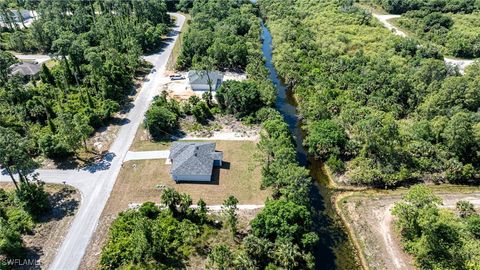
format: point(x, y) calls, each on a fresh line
point(25, 69)
point(194, 161)
point(199, 80)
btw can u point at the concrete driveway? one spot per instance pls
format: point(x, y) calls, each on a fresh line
point(147, 155)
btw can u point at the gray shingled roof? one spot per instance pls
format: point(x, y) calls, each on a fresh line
point(200, 77)
point(24, 69)
point(189, 158)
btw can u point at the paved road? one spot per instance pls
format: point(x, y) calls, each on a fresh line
point(462, 64)
point(96, 182)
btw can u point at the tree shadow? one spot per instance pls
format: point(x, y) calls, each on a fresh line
point(102, 164)
point(63, 204)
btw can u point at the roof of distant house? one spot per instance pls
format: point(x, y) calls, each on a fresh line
point(25, 69)
point(200, 77)
point(190, 158)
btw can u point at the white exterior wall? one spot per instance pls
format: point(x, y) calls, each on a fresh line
point(199, 178)
point(202, 87)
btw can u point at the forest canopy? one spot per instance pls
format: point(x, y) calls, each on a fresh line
point(405, 114)
point(96, 47)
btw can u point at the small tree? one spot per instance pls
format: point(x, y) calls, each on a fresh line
point(202, 210)
point(171, 198)
point(185, 203)
point(33, 198)
point(220, 258)
point(14, 155)
point(465, 209)
point(229, 209)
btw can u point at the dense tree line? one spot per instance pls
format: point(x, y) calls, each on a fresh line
point(380, 108)
point(456, 33)
point(438, 238)
point(283, 234)
point(96, 47)
point(454, 6)
point(219, 34)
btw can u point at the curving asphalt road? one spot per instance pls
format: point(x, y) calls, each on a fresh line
point(96, 182)
point(462, 64)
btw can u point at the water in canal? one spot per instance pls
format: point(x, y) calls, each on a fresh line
point(336, 251)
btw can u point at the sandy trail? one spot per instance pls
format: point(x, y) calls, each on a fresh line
point(462, 64)
point(372, 224)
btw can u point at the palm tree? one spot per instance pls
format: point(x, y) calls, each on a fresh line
point(170, 198)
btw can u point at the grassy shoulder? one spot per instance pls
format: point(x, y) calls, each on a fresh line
point(172, 60)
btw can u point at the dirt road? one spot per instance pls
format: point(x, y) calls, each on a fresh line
point(462, 64)
point(371, 220)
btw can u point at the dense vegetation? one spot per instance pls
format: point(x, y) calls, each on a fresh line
point(152, 238)
point(438, 238)
point(458, 34)
point(225, 35)
point(286, 222)
point(97, 47)
point(454, 6)
point(377, 107)
point(213, 42)
point(19, 210)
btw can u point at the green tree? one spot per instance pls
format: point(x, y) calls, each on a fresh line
point(14, 155)
point(170, 198)
point(325, 138)
point(219, 258)
point(281, 219)
point(229, 209)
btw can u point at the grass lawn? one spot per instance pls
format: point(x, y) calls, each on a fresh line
point(240, 176)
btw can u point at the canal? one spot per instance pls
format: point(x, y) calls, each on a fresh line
point(335, 250)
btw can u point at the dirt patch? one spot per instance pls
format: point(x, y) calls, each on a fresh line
point(370, 221)
point(49, 232)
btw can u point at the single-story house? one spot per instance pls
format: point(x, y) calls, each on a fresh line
point(200, 80)
point(25, 69)
point(193, 161)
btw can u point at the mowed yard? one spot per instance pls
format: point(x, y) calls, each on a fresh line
point(240, 176)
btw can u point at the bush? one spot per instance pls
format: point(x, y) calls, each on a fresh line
point(239, 98)
point(33, 198)
point(160, 121)
point(335, 164)
point(51, 146)
point(201, 112)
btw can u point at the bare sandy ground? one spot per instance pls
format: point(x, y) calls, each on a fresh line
point(370, 221)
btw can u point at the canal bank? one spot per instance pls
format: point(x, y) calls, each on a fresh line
point(335, 250)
